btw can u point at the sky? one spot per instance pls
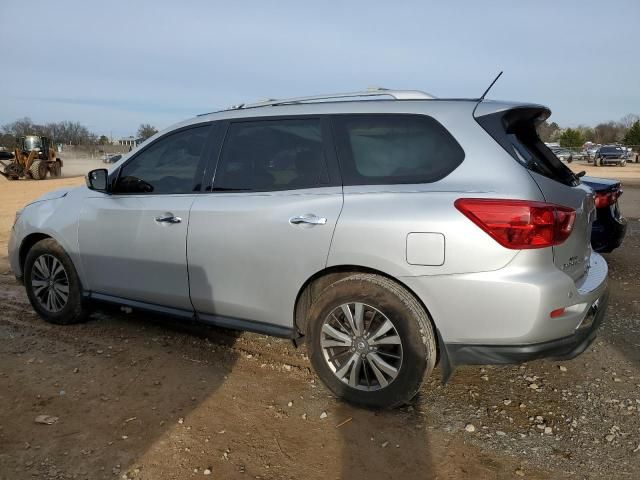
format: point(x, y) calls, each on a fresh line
point(114, 65)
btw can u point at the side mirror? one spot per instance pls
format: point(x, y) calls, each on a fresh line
point(98, 180)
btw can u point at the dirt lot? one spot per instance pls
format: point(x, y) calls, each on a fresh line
point(141, 397)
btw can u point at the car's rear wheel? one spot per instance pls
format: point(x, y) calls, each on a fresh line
point(52, 284)
point(370, 341)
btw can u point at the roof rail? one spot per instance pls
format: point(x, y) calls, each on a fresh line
point(370, 92)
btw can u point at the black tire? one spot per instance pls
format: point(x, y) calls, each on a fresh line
point(38, 170)
point(412, 325)
point(73, 310)
point(56, 169)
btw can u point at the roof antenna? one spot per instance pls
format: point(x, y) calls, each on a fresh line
point(492, 84)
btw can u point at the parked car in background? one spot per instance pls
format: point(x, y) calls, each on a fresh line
point(567, 155)
point(111, 157)
point(611, 154)
point(590, 152)
point(610, 226)
point(374, 230)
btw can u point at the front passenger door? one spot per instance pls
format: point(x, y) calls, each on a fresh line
point(133, 240)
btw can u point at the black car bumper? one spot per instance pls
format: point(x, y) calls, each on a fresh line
point(608, 231)
point(454, 354)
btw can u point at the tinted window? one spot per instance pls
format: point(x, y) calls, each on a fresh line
point(515, 130)
point(395, 149)
point(169, 165)
point(272, 155)
point(611, 150)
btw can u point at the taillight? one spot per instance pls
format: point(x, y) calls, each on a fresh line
point(520, 224)
point(605, 199)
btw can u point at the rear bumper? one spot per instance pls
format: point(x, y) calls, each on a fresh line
point(562, 349)
point(513, 305)
point(607, 232)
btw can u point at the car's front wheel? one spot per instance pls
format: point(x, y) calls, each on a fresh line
point(52, 284)
point(370, 341)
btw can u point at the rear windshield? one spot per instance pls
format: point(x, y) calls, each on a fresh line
point(392, 149)
point(611, 150)
point(515, 131)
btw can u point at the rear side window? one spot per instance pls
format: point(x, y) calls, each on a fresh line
point(515, 131)
point(388, 149)
point(270, 155)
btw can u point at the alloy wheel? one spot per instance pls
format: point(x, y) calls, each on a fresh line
point(361, 346)
point(50, 283)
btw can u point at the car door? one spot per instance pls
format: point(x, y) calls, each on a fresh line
point(133, 240)
point(266, 226)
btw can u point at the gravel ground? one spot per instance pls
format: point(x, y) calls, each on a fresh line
point(135, 396)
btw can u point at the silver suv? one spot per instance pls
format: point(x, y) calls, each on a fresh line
point(388, 230)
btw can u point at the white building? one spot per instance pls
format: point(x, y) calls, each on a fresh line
point(130, 141)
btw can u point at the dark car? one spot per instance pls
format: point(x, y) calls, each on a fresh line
point(609, 226)
point(611, 154)
point(111, 158)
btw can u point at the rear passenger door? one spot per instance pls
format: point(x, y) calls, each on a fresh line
point(266, 224)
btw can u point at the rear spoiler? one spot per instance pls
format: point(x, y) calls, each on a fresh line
point(513, 127)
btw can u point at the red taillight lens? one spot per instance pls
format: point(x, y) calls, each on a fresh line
point(520, 224)
point(605, 199)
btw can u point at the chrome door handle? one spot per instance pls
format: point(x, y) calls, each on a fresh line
point(308, 218)
point(168, 219)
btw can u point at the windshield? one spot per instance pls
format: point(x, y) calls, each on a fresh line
point(32, 143)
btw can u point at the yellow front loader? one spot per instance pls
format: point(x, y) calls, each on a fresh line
point(32, 158)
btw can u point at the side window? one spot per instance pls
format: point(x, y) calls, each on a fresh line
point(272, 155)
point(388, 149)
point(167, 166)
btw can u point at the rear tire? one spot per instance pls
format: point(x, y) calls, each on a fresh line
point(348, 360)
point(52, 284)
point(56, 169)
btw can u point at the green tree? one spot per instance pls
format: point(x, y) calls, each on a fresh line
point(632, 136)
point(571, 138)
point(103, 140)
point(146, 130)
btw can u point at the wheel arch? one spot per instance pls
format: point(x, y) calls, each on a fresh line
point(28, 242)
point(322, 279)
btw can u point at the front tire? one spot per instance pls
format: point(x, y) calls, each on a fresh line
point(38, 170)
point(52, 284)
point(370, 341)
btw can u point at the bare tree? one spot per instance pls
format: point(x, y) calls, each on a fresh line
point(628, 120)
point(146, 130)
point(21, 127)
point(548, 132)
point(67, 132)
